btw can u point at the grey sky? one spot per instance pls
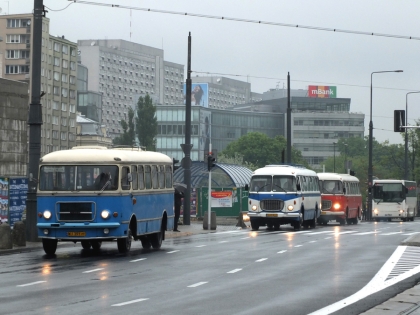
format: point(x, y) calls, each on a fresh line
point(312, 57)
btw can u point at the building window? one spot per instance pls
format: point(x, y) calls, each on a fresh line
point(64, 92)
point(72, 65)
point(55, 134)
point(12, 69)
point(72, 79)
point(55, 105)
point(13, 54)
point(64, 77)
point(56, 61)
point(72, 108)
point(13, 39)
point(63, 108)
point(56, 90)
point(54, 120)
point(65, 64)
point(56, 76)
point(65, 49)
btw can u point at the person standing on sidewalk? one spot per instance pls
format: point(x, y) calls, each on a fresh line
point(178, 202)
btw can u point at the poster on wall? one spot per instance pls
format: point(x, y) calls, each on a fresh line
point(221, 199)
point(4, 199)
point(193, 203)
point(18, 189)
point(199, 94)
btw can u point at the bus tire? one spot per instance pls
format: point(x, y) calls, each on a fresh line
point(49, 245)
point(96, 245)
point(254, 225)
point(297, 225)
point(313, 222)
point(356, 220)
point(145, 243)
point(124, 244)
point(85, 244)
point(157, 238)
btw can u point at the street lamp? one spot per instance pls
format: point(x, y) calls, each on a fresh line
point(369, 207)
point(345, 158)
point(406, 137)
point(334, 143)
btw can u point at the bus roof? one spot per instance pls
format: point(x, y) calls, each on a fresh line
point(283, 170)
point(392, 181)
point(337, 176)
point(101, 155)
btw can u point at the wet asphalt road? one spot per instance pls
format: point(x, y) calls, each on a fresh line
point(233, 272)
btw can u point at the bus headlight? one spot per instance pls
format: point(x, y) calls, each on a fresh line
point(105, 214)
point(290, 207)
point(375, 211)
point(254, 208)
point(337, 206)
point(47, 214)
point(401, 210)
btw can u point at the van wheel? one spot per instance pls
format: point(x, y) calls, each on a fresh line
point(85, 244)
point(50, 246)
point(124, 244)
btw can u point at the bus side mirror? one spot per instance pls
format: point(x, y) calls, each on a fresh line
point(246, 188)
point(129, 177)
point(298, 187)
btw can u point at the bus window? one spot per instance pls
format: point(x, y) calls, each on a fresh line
point(284, 183)
point(141, 177)
point(125, 184)
point(332, 187)
point(148, 176)
point(155, 183)
point(260, 183)
point(135, 183)
point(161, 176)
point(168, 176)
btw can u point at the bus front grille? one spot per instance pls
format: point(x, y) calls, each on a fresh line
point(326, 204)
point(271, 205)
point(75, 211)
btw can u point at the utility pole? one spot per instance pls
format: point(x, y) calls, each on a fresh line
point(289, 123)
point(34, 122)
point(186, 161)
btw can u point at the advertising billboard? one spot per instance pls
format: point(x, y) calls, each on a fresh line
point(199, 94)
point(322, 91)
point(13, 194)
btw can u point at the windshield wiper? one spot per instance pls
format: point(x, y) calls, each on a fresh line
point(262, 187)
point(103, 188)
point(280, 188)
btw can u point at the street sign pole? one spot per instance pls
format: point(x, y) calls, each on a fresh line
point(209, 207)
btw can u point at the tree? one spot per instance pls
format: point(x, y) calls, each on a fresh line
point(258, 149)
point(237, 159)
point(127, 137)
point(146, 122)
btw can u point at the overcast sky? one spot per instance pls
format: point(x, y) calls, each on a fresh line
point(264, 54)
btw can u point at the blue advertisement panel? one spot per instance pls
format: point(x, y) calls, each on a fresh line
point(199, 94)
point(18, 189)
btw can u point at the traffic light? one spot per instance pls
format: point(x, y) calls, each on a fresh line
point(174, 167)
point(399, 120)
point(210, 162)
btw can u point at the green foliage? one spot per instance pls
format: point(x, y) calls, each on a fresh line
point(146, 123)
point(259, 150)
point(237, 159)
point(127, 137)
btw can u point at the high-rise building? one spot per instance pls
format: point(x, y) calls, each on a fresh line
point(122, 71)
point(58, 76)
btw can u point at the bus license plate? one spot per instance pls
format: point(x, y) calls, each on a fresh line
point(272, 215)
point(323, 212)
point(76, 233)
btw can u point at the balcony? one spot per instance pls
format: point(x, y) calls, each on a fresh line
point(27, 61)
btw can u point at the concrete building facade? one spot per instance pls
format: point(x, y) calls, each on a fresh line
point(13, 127)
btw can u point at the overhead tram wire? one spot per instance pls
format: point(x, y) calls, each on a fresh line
point(316, 28)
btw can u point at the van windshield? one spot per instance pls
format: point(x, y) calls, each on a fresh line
point(78, 178)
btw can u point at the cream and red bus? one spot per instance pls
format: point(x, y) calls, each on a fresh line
point(341, 198)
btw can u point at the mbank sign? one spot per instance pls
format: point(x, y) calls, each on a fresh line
point(322, 91)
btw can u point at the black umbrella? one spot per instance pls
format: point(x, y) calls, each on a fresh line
point(180, 187)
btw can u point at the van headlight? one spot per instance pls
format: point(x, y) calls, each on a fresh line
point(47, 214)
point(105, 214)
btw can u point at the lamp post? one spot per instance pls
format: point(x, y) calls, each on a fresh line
point(370, 172)
point(334, 143)
point(345, 158)
point(406, 138)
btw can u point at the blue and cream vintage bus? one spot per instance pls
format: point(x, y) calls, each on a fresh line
point(284, 194)
point(94, 194)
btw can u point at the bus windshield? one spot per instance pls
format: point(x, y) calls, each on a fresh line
point(273, 183)
point(331, 187)
point(388, 192)
point(78, 178)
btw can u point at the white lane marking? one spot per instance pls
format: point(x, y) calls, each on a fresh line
point(411, 233)
point(323, 232)
point(135, 260)
point(93, 270)
point(366, 233)
point(282, 251)
point(129, 302)
point(327, 238)
point(196, 284)
point(393, 233)
point(377, 284)
point(347, 232)
point(260, 260)
point(32, 283)
point(174, 251)
point(223, 242)
point(298, 245)
point(201, 245)
point(244, 238)
point(312, 242)
point(234, 270)
point(297, 232)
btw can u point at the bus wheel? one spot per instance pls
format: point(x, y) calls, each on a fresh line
point(355, 220)
point(297, 225)
point(156, 239)
point(96, 245)
point(313, 222)
point(85, 244)
point(145, 243)
point(124, 244)
point(254, 225)
point(50, 246)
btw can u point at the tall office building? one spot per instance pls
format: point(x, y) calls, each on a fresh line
point(58, 76)
point(122, 71)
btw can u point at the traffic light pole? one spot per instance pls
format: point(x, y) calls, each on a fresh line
point(209, 206)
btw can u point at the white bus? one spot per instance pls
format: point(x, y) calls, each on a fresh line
point(283, 194)
point(394, 198)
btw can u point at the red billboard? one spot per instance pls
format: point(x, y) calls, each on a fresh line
point(322, 91)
